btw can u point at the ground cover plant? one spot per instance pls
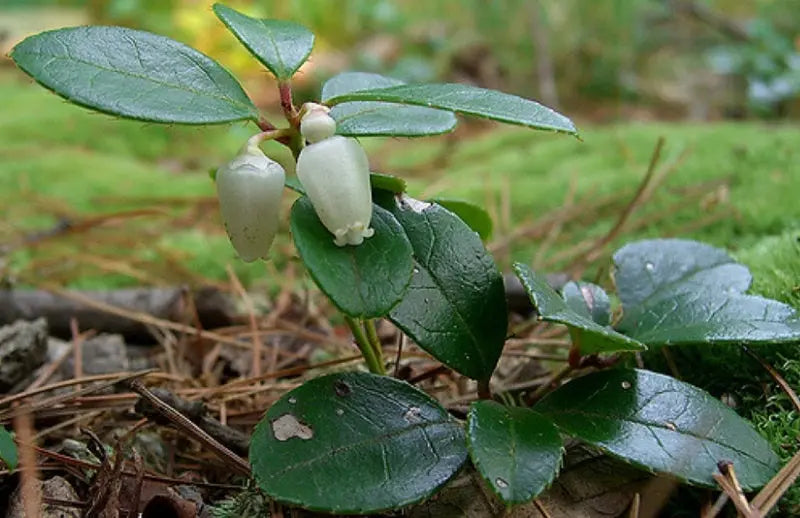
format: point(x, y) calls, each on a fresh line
point(355, 442)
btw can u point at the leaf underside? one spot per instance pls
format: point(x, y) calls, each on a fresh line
point(466, 99)
point(588, 335)
point(381, 119)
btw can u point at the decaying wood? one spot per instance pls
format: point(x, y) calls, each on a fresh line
point(215, 309)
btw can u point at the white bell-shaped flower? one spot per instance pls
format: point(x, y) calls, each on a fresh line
point(249, 189)
point(316, 124)
point(334, 172)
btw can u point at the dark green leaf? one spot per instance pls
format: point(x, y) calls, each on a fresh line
point(455, 307)
point(588, 335)
point(387, 182)
point(134, 74)
point(677, 292)
point(280, 45)
point(364, 281)
point(517, 450)
point(8, 449)
point(474, 216)
point(355, 443)
point(376, 118)
point(469, 100)
point(589, 300)
point(660, 424)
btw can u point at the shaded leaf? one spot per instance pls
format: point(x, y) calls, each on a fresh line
point(473, 215)
point(588, 335)
point(455, 306)
point(678, 292)
point(589, 300)
point(660, 424)
point(355, 443)
point(134, 74)
point(282, 46)
point(376, 118)
point(469, 100)
point(516, 450)
point(8, 449)
point(363, 281)
point(387, 182)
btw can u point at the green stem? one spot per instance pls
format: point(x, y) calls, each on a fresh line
point(373, 364)
point(372, 336)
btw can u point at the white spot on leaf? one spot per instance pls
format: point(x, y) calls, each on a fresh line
point(412, 415)
point(501, 483)
point(626, 385)
point(407, 202)
point(287, 426)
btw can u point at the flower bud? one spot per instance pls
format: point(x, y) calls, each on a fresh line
point(316, 124)
point(335, 175)
point(249, 189)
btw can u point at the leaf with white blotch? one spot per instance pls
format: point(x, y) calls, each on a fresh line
point(282, 46)
point(589, 336)
point(364, 281)
point(455, 306)
point(679, 292)
point(661, 424)
point(466, 99)
point(516, 450)
point(376, 118)
point(134, 74)
point(355, 443)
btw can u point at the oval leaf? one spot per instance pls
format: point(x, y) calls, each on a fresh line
point(678, 292)
point(387, 182)
point(280, 45)
point(589, 336)
point(469, 100)
point(660, 424)
point(375, 118)
point(363, 281)
point(355, 443)
point(8, 449)
point(473, 215)
point(516, 450)
point(455, 307)
point(134, 74)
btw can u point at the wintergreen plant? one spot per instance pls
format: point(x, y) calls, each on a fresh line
point(358, 442)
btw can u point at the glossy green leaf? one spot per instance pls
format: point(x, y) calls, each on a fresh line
point(134, 74)
point(387, 182)
point(678, 292)
point(476, 217)
point(469, 100)
point(355, 443)
point(376, 118)
point(661, 424)
point(455, 307)
point(364, 281)
point(282, 46)
point(588, 335)
point(8, 449)
point(516, 450)
point(589, 300)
